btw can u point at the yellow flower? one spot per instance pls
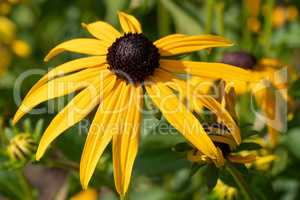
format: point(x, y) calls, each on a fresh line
point(278, 17)
point(221, 135)
point(88, 194)
point(21, 48)
point(7, 30)
point(224, 191)
point(292, 13)
point(253, 8)
point(113, 77)
point(21, 147)
point(5, 8)
point(253, 24)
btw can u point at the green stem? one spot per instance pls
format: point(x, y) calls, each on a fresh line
point(220, 17)
point(267, 29)
point(246, 35)
point(209, 14)
point(164, 20)
point(63, 164)
point(238, 178)
point(124, 197)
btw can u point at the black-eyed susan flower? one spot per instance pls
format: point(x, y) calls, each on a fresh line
point(222, 136)
point(120, 65)
point(264, 92)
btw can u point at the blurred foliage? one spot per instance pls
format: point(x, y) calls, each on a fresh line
point(30, 28)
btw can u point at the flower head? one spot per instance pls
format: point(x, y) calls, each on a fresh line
point(121, 65)
point(275, 83)
point(21, 147)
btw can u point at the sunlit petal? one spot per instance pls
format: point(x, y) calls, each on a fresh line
point(129, 23)
point(100, 133)
point(76, 110)
point(82, 45)
point(208, 70)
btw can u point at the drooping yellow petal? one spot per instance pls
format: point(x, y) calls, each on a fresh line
point(100, 134)
point(129, 23)
point(241, 159)
point(59, 87)
point(185, 44)
point(180, 117)
point(102, 31)
point(199, 100)
point(81, 45)
point(222, 114)
point(125, 144)
point(68, 67)
point(76, 110)
point(209, 70)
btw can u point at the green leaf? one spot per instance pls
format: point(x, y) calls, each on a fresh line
point(292, 141)
point(211, 176)
point(11, 187)
point(182, 147)
point(194, 169)
point(248, 146)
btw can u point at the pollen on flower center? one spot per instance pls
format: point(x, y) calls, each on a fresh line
point(133, 57)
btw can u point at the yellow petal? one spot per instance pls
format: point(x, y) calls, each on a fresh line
point(222, 114)
point(59, 87)
point(76, 110)
point(241, 159)
point(181, 118)
point(89, 194)
point(208, 70)
point(186, 44)
point(219, 162)
point(129, 23)
point(100, 133)
point(82, 45)
point(168, 39)
point(124, 97)
point(68, 67)
point(125, 144)
point(102, 31)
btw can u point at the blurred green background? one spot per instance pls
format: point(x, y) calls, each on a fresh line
point(30, 28)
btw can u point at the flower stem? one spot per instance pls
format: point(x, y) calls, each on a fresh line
point(164, 20)
point(238, 178)
point(209, 14)
point(124, 197)
point(267, 29)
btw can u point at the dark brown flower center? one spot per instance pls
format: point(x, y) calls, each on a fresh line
point(240, 59)
point(133, 57)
